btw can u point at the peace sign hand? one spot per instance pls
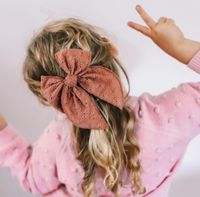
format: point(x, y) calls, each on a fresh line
point(164, 33)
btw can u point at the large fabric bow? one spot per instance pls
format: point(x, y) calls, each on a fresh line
point(72, 93)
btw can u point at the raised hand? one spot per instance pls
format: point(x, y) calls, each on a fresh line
point(167, 35)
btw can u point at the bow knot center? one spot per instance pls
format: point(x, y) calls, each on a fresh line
point(71, 80)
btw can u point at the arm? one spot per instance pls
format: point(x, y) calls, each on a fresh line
point(177, 110)
point(33, 165)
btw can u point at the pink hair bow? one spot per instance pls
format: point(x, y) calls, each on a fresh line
point(71, 93)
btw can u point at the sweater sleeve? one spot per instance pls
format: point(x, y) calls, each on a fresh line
point(33, 165)
point(176, 111)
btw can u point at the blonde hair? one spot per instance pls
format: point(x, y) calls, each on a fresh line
point(112, 149)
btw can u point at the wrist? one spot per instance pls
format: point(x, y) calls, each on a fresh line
point(3, 124)
point(186, 50)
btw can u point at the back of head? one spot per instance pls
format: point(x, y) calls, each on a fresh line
point(110, 150)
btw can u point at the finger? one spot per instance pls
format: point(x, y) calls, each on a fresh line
point(144, 30)
point(147, 19)
point(171, 20)
point(162, 19)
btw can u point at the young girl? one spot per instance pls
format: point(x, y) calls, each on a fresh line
point(103, 142)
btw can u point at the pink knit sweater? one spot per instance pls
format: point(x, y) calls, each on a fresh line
point(165, 125)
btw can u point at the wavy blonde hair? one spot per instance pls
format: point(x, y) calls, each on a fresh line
point(112, 149)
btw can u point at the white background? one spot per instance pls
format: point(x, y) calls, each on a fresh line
point(149, 68)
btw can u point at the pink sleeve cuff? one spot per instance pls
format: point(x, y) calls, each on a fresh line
point(7, 134)
point(194, 63)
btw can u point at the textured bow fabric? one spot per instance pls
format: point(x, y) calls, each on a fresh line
point(72, 93)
